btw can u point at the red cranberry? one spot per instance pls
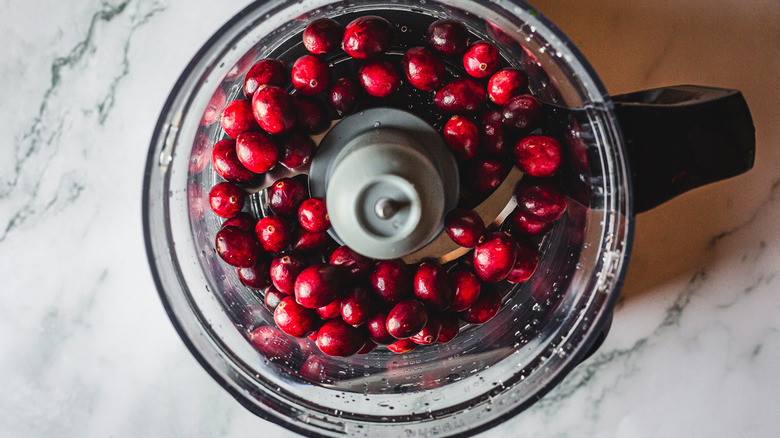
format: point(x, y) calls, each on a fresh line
point(214, 108)
point(295, 150)
point(256, 151)
point(337, 338)
point(377, 329)
point(285, 195)
point(243, 220)
point(486, 174)
point(317, 286)
point(429, 333)
point(237, 117)
point(462, 137)
point(491, 133)
point(495, 256)
point(506, 84)
point(344, 96)
point(368, 347)
point(527, 260)
point(310, 75)
point(330, 311)
point(272, 298)
point(258, 276)
point(226, 163)
point(294, 319)
point(357, 306)
point(481, 59)
point(460, 96)
point(310, 114)
point(448, 37)
point(379, 78)
point(522, 112)
point(307, 242)
point(450, 326)
point(199, 157)
point(322, 36)
point(542, 201)
point(406, 319)
point(432, 286)
point(402, 346)
point(484, 309)
point(367, 37)
point(273, 343)
point(264, 72)
point(464, 227)
point(313, 215)
point(538, 155)
point(273, 109)
point(466, 287)
point(274, 233)
point(423, 68)
point(529, 226)
point(284, 270)
point(226, 199)
point(390, 280)
point(354, 265)
point(237, 247)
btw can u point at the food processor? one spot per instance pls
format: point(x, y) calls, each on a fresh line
point(389, 181)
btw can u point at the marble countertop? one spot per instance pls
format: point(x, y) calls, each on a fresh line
point(87, 349)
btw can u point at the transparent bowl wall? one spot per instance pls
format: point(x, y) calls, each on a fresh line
point(489, 372)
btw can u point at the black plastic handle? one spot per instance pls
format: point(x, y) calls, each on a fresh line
point(682, 137)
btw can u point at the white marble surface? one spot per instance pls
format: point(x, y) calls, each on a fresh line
point(87, 349)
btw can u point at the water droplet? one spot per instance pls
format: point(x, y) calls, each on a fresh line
point(377, 124)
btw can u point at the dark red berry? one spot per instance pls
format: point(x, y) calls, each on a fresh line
point(450, 326)
point(448, 37)
point(330, 311)
point(274, 233)
point(377, 329)
point(273, 343)
point(243, 220)
point(237, 117)
point(214, 108)
point(295, 150)
point(199, 157)
point(466, 287)
point(264, 72)
point(379, 78)
point(344, 96)
point(226, 163)
point(429, 333)
point(310, 75)
point(484, 309)
point(315, 367)
point(529, 226)
point(541, 200)
point(313, 215)
point(522, 112)
point(406, 318)
point(284, 270)
point(423, 68)
point(402, 346)
point(351, 264)
point(527, 260)
point(310, 114)
point(538, 155)
point(432, 286)
point(322, 36)
point(273, 109)
point(391, 281)
point(256, 151)
point(237, 247)
point(462, 137)
point(226, 199)
point(272, 298)
point(463, 95)
point(464, 227)
point(491, 133)
point(307, 242)
point(285, 195)
point(486, 174)
point(294, 319)
point(506, 84)
point(258, 276)
point(317, 286)
point(495, 256)
point(367, 37)
point(337, 338)
point(481, 59)
point(368, 347)
point(357, 306)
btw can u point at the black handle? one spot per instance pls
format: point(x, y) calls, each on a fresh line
point(682, 137)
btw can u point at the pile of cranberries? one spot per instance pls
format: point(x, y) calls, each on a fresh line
point(345, 302)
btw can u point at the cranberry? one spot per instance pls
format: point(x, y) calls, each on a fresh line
point(429, 333)
point(354, 265)
point(486, 174)
point(285, 195)
point(406, 318)
point(344, 96)
point(313, 335)
point(495, 256)
point(273, 343)
point(197, 203)
point(368, 347)
point(527, 225)
point(330, 311)
point(464, 227)
point(491, 133)
point(402, 346)
point(201, 148)
point(244, 220)
point(284, 270)
point(313, 215)
point(506, 84)
point(484, 309)
point(237, 247)
point(466, 287)
point(307, 242)
point(481, 59)
point(337, 338)
point(264, 72)
point(274, 233)
point(462, 137)
point(256, 151)
point(237, 117)
point(295, 150)
point(542, 201)
point(448, 37)
point(317, 286)
point(294, 319)
point(322, 36)
point(450, 326)
point(432, 287)
point(242, 65)
point(390, 280)
point(367, 37)
point(226, 163)
point(214, 108)
point(310, 114)
point(357, 306)
point(460, 96)
point(310, 75)
point(423, 68)
point(226, 199)
point(379, 78)
point(256, 277)
point(527, 260)
point(377, 329)
point(273, 109)
point(522, 112)
point(314, 368)
point(272, 298)
point(538, 155)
